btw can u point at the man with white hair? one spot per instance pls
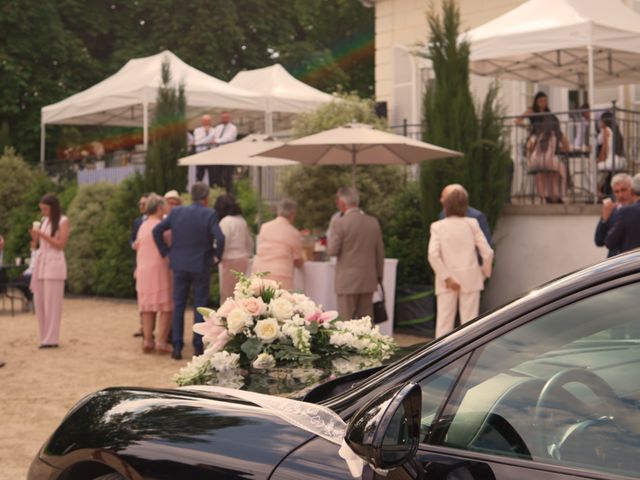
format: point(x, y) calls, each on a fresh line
point(621, 185)
point(356, 241)
point(624, 234)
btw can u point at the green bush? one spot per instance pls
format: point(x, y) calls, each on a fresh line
point(21, 188)
point(86, 214)
point(114, 267)
point(405, 236)
point(247, 198)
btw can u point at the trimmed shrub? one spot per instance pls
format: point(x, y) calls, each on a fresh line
point(86, 214)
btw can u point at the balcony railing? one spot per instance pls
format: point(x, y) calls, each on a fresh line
point(586, 181)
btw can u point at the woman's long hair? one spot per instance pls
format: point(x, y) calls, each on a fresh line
point(535, 107)
point(608, 120)
point(54, 211)
point(550, 125)
point(226, 205)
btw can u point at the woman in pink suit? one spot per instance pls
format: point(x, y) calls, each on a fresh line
point(50, 237)
point(153, 281)
point(454, 245)
point(279, 246)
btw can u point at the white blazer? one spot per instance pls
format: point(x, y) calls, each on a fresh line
point(452, 253)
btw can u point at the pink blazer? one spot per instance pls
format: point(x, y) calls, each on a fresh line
point(50, 261)
point(452, 253)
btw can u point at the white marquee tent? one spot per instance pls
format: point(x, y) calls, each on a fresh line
point(572, 43)
point(280, 91)
point(125, 98)
point(578, 44)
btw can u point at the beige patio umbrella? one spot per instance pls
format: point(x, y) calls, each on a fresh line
point(358, 144)
point(241, 153)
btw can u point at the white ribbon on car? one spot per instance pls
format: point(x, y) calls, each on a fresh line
point(317, 419)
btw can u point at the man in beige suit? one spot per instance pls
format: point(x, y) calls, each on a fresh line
point(356, 239)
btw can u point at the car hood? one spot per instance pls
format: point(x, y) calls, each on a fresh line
point(149, 429)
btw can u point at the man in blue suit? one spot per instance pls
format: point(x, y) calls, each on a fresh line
point(192, 256)
point(621, 185)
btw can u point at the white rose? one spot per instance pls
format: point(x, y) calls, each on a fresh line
point(265, 361)
point(237, 320)
point(281, 309)
point(253, 306)
point(267, 330)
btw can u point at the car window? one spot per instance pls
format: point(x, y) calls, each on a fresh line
point(561, 389)
point(435, 390)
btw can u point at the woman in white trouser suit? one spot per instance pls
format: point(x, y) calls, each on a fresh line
point(454, 259)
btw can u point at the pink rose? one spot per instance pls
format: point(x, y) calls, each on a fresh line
point(253, 306)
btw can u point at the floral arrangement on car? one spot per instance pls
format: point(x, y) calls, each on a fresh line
point(262, 327)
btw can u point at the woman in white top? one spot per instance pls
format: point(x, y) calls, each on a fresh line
point(238, 244)
point(454, 259)
point(606, 161)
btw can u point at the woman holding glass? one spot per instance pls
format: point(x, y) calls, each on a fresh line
point(50, 237)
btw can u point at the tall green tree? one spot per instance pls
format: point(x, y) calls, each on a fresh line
point(168, 138)
point(451, 120)
point(449, 113)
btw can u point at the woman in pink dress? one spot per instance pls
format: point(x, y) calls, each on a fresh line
point(153, 281)
point(50, 237)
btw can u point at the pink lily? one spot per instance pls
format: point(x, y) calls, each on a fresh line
point(321, 317)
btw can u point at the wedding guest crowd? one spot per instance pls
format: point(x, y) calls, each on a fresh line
point(206, 137)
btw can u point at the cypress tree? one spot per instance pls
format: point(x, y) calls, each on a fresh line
point(168, 138)
point(451, 120)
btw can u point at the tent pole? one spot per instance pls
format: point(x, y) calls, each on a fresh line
point(353, 167)
point(43, 132)
point(592, 167)
point(145, 123)
point(259, 198)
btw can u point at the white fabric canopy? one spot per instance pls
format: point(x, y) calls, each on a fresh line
point(548, 41)
point(118, 100)
point(280, 91)
point(283, 92)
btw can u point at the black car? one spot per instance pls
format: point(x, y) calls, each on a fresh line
point(547, 387)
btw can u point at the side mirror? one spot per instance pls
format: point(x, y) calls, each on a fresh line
point(386, 431)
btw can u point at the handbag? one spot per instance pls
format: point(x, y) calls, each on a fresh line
point(379, 310)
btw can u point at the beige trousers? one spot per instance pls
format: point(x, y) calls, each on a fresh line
point(47, 301)
point(449, 302)
point(355, 305)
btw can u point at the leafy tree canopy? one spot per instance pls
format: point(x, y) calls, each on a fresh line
point(51, 49)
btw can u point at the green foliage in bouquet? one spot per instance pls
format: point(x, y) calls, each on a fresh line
point(263, 326)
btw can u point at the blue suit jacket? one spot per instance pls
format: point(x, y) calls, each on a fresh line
point(624, 234)
point(602, 229)
point(193, 230)
point(482, 220)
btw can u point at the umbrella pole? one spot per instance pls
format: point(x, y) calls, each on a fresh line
point(353, 167)
point(594, 121)
point(259, 197)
